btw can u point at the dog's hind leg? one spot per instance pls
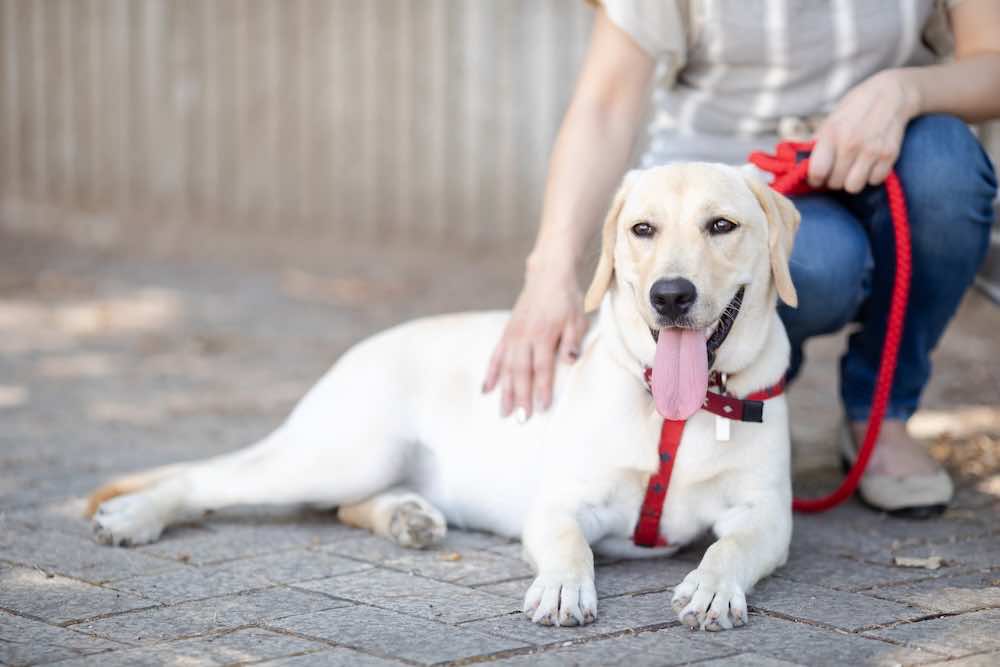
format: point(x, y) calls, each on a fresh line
point(276, 471)
point(399, 515)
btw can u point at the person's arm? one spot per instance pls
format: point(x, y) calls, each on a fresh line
point(859, 142)
point(969, 87)
point(589, 158)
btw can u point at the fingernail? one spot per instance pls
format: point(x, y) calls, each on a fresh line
point(521, 415)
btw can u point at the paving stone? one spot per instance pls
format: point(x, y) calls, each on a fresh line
point(414, 595)
point(950, 635)
point(196, 618)
point(335, 657)
point(461, 540)
point(57, 599)
point(846, 574)
point(858, 528)
point(752, 660)
point(193, 583)
point(288, 567)
point(832, 534)
point(614, 615)
point(238, 647)
point(392, 634)
point(222, 540)
point(515, 550)
point(942, 529)
point(947, 594)
point(25, 491)
point(472, 567)
point(640, 576)
point(979, 660)
point(512, 590)
point(64, 516)
point(673, 646)
point(74, 557)
point(801, 643)
point(850, 611)
point(24, 641)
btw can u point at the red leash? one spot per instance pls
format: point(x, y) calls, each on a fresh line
point(790, 179)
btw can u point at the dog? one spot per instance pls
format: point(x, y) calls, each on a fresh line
point(398, 436)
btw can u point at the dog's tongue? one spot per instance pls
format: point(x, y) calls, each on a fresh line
point(680, 372)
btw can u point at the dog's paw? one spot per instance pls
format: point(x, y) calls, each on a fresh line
point(561, 600)
point(128, 521)
point(416, 524)
point(707, 601)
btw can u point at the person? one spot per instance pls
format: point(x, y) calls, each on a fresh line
point(726, 78)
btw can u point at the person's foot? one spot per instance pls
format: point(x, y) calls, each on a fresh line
point(897, 454)
point(902, 478)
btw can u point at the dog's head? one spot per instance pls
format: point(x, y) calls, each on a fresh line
point(681, 241)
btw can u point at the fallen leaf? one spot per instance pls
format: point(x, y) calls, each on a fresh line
point(929, 563)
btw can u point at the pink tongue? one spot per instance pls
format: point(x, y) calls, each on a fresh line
point(680, 372)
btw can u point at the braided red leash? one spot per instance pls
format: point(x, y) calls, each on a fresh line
point(790, 179)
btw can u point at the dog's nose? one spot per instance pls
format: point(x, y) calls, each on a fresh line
point(672, 297)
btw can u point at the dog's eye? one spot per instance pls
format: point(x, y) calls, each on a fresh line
point(721, 226)
point(643, 229)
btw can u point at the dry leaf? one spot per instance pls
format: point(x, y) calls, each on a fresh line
point(929, 563)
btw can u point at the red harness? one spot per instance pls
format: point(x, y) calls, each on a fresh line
point(749, 409)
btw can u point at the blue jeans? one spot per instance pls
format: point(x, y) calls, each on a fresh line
point(843, 261)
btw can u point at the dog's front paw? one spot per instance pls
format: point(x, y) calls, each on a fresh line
point(128, 521)
point(710, 602)
point(561, 600)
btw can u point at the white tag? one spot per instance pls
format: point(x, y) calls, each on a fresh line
point(722, 429)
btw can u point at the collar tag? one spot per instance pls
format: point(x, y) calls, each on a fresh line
point(722, 428)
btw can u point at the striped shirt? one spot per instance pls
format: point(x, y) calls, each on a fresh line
point(734, 74)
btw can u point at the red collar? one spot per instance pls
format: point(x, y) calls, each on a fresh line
point(749, 409)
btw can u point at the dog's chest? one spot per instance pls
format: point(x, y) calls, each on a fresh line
point(695, 490)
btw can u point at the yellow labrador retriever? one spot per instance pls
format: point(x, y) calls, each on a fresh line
point(399, 436)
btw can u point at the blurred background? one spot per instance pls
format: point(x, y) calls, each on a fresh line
point(202, 203)
point(311, 119)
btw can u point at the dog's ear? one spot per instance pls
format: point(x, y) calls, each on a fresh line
point(606, 264)
point(782, 223)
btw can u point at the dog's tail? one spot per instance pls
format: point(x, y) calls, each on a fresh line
point(130, 484)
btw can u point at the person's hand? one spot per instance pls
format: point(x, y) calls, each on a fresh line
point(547, 322)
point(858, 143)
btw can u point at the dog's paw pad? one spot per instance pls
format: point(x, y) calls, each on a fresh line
point(127, 521)
point(416, 525)
point(565, 601)
point(708, 602)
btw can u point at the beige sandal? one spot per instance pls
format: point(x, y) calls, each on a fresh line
point(912, 497)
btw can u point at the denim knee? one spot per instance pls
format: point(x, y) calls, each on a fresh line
point(950, 187)
point(830, 266)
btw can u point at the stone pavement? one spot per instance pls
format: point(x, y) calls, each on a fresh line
point(112, 363)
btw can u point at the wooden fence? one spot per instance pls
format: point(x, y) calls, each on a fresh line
point(357, 118)
point(352, 119)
